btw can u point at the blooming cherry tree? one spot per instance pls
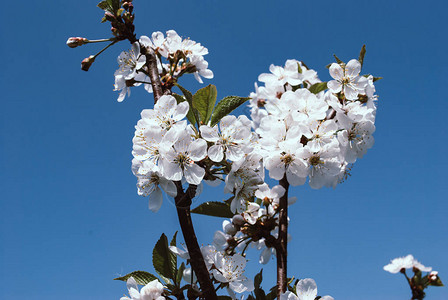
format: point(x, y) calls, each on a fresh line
point(301, 130)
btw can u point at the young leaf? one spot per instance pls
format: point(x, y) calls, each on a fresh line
point(318, 87)
point(377, 78)
point(103, 5)
point(337, 59)
point(163, 259)
point(361, 55)
point(141, 277)
point(190, 115)
point(180, 273)
point(215, 209)
point(225, 107)
point(204, 101)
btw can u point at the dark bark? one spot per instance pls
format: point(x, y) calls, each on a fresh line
point(282, 241)
point(183, 202)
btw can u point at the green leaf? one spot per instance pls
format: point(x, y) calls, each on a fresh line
point(189, 98)
point(361, 55)
point(119, 12)
point(103, 5)
point(436, 282)
point(174, 257)
point(258, 279)
point(377, 78)
point(299, 68)
point(180, 273)
point(141, 277)
point(259, 292)
point(204, 101)
point(318, 87)
point(337, 59)
point(272, 293)
point(215, 209)
point(225, 107)
point(163, 259)
point(115, 4)
point(190, 115)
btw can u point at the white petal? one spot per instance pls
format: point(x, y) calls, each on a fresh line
point(336, 71)
point(216, 153)
point(353, 68)
point(198, 149)
point(265, 256)
point(155, 200)
point(306, 289)
point(210, 134)
point(194, 174)
point(334, 86)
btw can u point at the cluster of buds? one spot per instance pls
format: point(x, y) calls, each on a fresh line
point(120, 15)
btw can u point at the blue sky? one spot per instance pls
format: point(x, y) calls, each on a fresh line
point(70, 217)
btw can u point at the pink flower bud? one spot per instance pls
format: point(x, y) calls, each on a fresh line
point(74, 42)
point(87, 62)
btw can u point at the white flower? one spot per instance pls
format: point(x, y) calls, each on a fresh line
point(166, 113)
point(149, 181)
point(324, 164)
point(230, 140)
point(130, 61)
point(406, 262)
point(201, 68)
point(180, 159)
point(347, 79)
point(306, 289)
point(152, 291)
point(280, 75)
point(230, 269)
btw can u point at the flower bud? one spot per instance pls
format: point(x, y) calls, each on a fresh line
point(110, 16)
point(238, 220)
point(87, 62)
point(433, 275)
point(230, 229)
point(74, 42)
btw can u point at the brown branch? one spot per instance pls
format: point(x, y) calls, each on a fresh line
point(183, 199)
point(153, 73)
point(282, 241)
point(183, 202)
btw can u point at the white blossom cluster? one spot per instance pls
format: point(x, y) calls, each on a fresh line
point(293, 133)
point(228, 270)
point(316, 136)
point(181, 56)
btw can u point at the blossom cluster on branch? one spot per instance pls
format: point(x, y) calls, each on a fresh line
point(300, 130)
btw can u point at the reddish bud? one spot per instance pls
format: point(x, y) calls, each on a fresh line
point(74, 42)
point(87, 62)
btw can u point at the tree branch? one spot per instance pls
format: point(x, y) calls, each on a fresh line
point(183, 199)
point(183, 202)
point(282, 241)
point(153, 73)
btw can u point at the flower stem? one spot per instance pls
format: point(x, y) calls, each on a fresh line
point(282, 241)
